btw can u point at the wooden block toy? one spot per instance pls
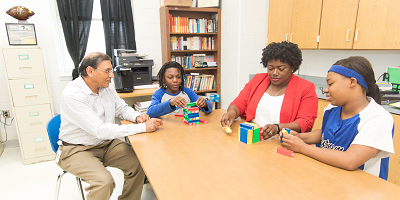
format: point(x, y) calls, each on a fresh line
point(249, 133)
point(191, 115)
point(178, 115)
point(203, 121)
point(227, 129)
point(191, 104)
point(285, 131)
point(285, 152)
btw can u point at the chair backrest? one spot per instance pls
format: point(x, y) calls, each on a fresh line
point(53, 129)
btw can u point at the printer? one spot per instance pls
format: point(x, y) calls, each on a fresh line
point(130, 70)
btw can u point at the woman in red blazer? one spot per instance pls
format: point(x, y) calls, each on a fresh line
point(277, 99)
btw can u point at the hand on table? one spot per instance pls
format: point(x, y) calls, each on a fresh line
point(201, 102)
point(268, 131)
point(153, 124)
point(178, 101)
point(142, 118)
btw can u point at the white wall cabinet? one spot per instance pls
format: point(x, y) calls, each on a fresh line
point(31, 101)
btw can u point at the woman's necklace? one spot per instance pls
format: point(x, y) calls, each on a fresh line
point(278, 91)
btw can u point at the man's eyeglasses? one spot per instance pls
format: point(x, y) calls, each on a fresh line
point(106, 71)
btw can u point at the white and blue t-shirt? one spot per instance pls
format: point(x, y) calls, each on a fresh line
point(372, 127)
point(160, 102)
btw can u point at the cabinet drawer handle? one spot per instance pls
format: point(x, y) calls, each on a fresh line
point(25, 67)
point(357, 34)
point(36, 123)
point(32, 96)
point(29, 86)
point(23, 57)
point(291, 35)
point(33, 113)
point(139, 78)
point(347, 36)
point(40, 148)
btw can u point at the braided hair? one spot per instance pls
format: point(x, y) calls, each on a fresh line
point(363, 67)
point(161, 74)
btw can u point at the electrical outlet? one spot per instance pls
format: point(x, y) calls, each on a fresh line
point(6, 113)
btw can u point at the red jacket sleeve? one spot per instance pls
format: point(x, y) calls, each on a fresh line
point(308, 108)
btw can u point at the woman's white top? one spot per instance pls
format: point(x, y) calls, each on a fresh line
point(268, 110)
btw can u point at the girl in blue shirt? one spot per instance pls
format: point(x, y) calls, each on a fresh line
point(357, 132)
point(172, 96)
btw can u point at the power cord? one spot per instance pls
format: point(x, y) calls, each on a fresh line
point(4, 125)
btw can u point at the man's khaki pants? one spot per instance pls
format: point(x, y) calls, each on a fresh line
point(87, 163)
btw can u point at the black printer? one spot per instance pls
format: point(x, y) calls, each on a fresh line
point(130, 70)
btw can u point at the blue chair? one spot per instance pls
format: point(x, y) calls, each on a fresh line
point(53, 129)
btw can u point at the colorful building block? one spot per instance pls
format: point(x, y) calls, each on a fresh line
point(178, 115)
point(191, 104)
point(249, 133)
point(285, 131)
point(227, 129)
point(203, 121)
point(285, 152)
point(191, 116)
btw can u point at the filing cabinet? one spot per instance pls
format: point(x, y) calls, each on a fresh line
point(31, 100)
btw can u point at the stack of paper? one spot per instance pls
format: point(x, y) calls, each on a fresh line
point(142, 106)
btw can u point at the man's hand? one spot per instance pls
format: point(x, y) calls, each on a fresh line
point(201, 102)
point(153, 124)
point(142, 118)
point(178, 101)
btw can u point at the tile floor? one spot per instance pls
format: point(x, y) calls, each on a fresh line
point(38, 181)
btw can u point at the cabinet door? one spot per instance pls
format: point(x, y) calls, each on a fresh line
point(394, 160)
point(337, 24)
point(306, 18)
point(378, 25)
point(322, 104)
point(22, 63)
point(279, 20)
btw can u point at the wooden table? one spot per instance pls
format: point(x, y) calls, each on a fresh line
point(204, 162)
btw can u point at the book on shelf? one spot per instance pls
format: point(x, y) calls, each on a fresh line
point(188, 25)
point(192, 43)
point(199, 82)
point(194, 60)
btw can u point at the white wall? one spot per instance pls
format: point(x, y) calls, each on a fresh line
point(147, 29)
point(244, 34)
point(244, 30)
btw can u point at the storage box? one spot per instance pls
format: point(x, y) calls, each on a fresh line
point(181, 3)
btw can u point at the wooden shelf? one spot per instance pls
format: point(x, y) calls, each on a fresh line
point(191, 51)
point(202, 91)
point(203, 68)
point(211, 34)
point(193, 13)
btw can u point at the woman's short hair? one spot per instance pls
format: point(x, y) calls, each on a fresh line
point(93, 60)
point(285, 52)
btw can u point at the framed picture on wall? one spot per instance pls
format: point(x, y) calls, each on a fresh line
point(21, 34)
point(208, 3)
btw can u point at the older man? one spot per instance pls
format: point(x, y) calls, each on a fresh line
point(89, 105)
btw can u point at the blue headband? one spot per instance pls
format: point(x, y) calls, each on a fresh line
point(344, 71)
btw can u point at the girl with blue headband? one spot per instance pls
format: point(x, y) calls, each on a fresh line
point(357, 132)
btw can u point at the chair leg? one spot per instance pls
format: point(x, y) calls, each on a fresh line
point(58, 184)
point(79, 182)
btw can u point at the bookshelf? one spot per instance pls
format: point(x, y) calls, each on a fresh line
point(190, 30)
